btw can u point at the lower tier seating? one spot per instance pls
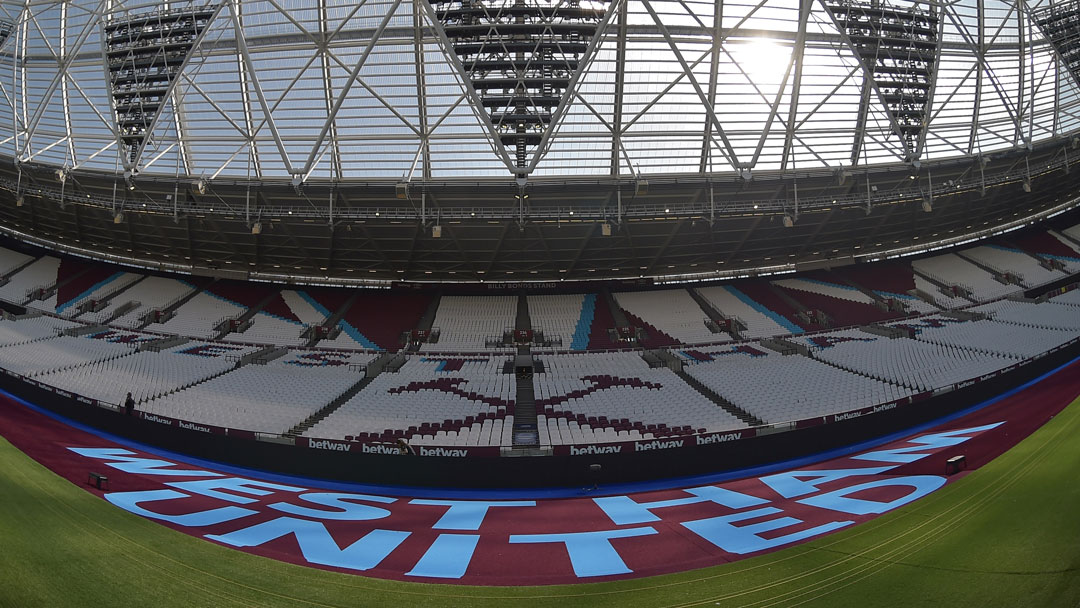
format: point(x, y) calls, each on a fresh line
point(430, 401)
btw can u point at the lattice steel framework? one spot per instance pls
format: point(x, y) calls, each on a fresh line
point(374, 90)
point(1061, 24)
point(521, 58)
point(144, 54)
point(898, 49)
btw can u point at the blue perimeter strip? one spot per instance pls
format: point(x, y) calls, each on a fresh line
point(96, 286)
point(778, 318)
point(536, 493)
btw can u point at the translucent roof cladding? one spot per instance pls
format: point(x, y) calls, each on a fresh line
point(671, 87)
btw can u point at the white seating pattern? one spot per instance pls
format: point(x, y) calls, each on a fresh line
point(33, 328)
point(564, 374)
point(835, 291)
point(41, 273)
point(956, 270)
point(10, 260)
point(269, 398)
point(465, 322)
point(672, 311)
point(759, 325)
point(375, 409)
point(918, 365)
point(943, 300)
point(1070, 298)
point(778, 388)
point(120, 282)
point(151, 292)
point(1050, 314)
point(557, 315)
point(268, 329)
point(300, 307)
point(1006, 339)
point(145, 374)
point(35, 358)
point(196, 317)
point(1018, 262)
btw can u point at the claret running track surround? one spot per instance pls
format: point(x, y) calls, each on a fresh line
point(579, 537)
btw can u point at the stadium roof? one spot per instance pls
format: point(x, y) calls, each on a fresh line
point(413, 141)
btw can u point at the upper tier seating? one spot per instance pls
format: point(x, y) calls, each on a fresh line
point(1074, 232)
point(672, 311)
point(41, 356)
point(1047, 245)
point(605, 397)
point(305, 309)
point(40, 273)
point(112, 284)
point(760, 321)
point(430, 401)
point(918, 365)
point(271, 329)
point(954, 270)
point(147, 374)
point(778, 388)
point(10, 260)
point(151, 292)
point(941, 299)
point(269, 398)
point(77, 281)
point(842, 304)
point(568, 317)
point(888, 280)
point(381, 317)
point(33, 328)
point(465, 322)
point(1012, 260)
point(768, 299)
point(198, 317)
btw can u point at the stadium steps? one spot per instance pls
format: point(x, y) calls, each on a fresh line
point(427, 320)
point(525, 436)
point(168, 310)
point(724, 404)
point(665, 358)
point(333, 406)
point(523, 322)
point(712, 312)
point(249, 313)
point(941, 286)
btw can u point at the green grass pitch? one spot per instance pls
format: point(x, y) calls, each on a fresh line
point(1007, 535)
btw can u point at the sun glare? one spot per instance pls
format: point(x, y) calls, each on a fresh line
point(763, 60)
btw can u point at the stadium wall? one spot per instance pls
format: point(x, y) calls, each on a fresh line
point(628, 464)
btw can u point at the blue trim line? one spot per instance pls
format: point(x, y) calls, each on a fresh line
point(540, 493)
point(96, 286)
point(355, 334)
point(889, 294)
point(584, 324)
point(776, 317)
